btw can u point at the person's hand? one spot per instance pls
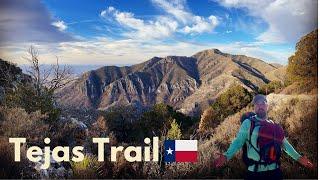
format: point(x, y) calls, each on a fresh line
point(303, 160)
point(220, 161)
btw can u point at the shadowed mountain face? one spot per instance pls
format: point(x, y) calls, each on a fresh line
point(186, 83)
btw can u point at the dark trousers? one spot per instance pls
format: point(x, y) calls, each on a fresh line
point(273, 174)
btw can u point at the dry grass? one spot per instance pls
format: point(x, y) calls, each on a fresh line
point(86, 169)
point(299, 117)
point(18, 123)
point(305, 86)
point(219, 142)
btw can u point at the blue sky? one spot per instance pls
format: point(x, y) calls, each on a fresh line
point(127, 32)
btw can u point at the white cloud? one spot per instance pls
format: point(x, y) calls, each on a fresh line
point(60, 25)
point(193, 24)
point(288, 20)
point(175, 8)
point(201, 25)
point(103, 13)
point(177, 19)
point(141, 29)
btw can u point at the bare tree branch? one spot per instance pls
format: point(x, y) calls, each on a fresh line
point(52, 78)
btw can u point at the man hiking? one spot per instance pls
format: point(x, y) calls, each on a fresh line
point(262, 142)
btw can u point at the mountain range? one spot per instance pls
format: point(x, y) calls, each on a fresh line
point(189, 84)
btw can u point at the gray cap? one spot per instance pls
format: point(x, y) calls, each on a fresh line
point(259, 98)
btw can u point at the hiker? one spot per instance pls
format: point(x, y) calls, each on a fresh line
point(262, 141)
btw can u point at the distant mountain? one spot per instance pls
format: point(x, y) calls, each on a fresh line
point(189, 84)
point(76, 69)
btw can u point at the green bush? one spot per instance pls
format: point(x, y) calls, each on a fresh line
point(271, 87)
point(228, 103)
point(121, 121)
point(27, 98)
point(231, 101)
point(158, 119)
point(154, 121)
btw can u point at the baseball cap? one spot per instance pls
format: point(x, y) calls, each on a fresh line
point(259, 98)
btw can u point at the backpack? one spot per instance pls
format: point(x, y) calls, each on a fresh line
point(269, 141)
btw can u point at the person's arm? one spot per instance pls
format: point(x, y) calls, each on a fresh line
point(303, 160)
point(288, 148)
point(240, 139)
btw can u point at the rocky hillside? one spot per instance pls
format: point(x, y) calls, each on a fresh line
point(186, 83)
point(10, 77)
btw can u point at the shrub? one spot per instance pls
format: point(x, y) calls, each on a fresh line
point(308, 86)
point(27, 98)
point(271, 87)
point(174, 132)
point(18, 123)
point(158, 119)
point(86, 169)
point(298, 116)
point(120, 120)
point(229, 102)
point(207, 120)
point(122, 169)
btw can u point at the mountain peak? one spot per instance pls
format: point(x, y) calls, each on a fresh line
point(217, 51)
point(209, 52)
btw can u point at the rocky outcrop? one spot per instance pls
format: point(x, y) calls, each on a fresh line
point(56, 170)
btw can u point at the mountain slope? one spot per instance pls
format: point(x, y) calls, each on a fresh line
point(277, 74)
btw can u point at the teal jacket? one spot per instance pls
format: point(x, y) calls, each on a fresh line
point(243, 137)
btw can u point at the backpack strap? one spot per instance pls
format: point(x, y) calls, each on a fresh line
point(251, 161)
point(253, 125)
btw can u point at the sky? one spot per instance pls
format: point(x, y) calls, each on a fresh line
point(125, 32)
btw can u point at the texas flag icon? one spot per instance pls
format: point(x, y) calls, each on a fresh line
point(180, 150)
